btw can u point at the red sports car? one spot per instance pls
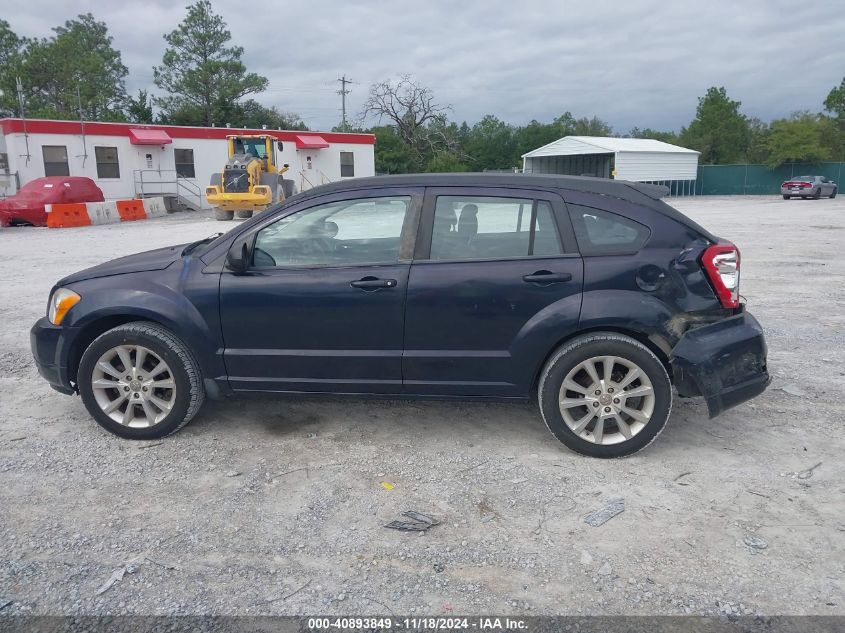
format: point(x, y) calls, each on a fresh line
point(27, 205)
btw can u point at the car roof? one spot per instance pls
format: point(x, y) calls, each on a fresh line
point(61, 179)
point(637, 192)
point(634, 191)
point(641, 193)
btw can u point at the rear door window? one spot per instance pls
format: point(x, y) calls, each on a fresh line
point(482, 227)
point(603, 233)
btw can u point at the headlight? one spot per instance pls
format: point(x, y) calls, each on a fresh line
point(61, 301)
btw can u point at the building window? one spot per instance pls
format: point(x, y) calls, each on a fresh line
point(107, 164)
point(184, 163)
point(347, 164)
point(55, 160)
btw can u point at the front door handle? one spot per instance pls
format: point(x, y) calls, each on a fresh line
point(547, 277)
point(373, 283)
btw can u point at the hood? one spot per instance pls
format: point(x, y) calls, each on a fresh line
point(22, 202)
point(158, 259)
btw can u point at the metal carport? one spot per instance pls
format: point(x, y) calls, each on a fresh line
point(636, 159)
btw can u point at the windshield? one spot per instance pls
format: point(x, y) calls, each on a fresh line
point(254, 146)
point(804, 178)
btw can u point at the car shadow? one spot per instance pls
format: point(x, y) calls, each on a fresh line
point(349, 421)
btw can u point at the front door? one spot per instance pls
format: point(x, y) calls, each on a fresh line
point(322, 307)
point(495, 285)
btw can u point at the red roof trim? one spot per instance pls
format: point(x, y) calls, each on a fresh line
point(149, 137)
point(310, 141)
point(45, 126)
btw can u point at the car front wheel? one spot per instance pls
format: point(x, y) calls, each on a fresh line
point(139, 381)
point(605, 395)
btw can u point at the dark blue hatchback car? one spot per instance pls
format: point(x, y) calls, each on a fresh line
point(592, 295)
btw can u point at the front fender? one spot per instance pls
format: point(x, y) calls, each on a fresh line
point(145, 298)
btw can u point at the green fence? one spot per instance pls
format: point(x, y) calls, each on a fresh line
point(737, 180)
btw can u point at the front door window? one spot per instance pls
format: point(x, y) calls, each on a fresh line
point(345, 233)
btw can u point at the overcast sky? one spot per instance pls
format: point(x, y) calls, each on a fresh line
point(631, 62)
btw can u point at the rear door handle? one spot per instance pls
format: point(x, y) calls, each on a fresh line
point(547, 277)
point(373, 283)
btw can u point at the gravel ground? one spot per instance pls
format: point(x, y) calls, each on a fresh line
point(265, 506)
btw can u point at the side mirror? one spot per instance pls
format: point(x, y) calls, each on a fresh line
point(239, 255)
point(279, 145)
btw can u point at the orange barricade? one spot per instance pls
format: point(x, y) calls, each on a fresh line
point(70, 214)
point(131, 210)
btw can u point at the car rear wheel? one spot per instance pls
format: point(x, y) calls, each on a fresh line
point(833, 194)
point(785, 197)
point(605, 395)
point(817, 194)
point(140, 382)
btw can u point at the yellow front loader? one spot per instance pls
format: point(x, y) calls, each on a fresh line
point(251, 179)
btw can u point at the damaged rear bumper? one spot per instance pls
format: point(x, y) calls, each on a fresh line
point(725, 362)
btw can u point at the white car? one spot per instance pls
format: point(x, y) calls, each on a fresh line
point(808, 187)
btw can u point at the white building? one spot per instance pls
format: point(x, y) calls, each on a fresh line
point(127, 160)
point(636, 159)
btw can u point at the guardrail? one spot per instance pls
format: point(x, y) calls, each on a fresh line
point(158, 182)
point(324, 180)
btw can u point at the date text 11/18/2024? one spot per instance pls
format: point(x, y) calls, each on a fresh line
point(417, 624)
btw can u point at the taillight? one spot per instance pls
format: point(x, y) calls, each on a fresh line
point(721, 262)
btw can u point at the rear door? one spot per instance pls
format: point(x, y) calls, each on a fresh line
point(322, 308)
point(495, 284)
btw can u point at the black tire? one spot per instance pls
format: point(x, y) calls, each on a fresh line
point(184, 369)
point(818, 194)
point(289, 187)
point(224, 216)
point(833, 194)
point(243, 215)
point(785, 197)
point(603, 344)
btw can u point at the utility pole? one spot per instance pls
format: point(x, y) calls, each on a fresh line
point(343, 92)
point(82, 126)
point(19, 86)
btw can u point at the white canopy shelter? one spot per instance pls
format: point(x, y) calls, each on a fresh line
point(636, 159)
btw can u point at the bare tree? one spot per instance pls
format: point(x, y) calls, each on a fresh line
point(410, 107)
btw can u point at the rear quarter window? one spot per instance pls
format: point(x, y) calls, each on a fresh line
point(604, 233)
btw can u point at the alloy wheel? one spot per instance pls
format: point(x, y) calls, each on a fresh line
point(133, 386)
point(606, 399)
